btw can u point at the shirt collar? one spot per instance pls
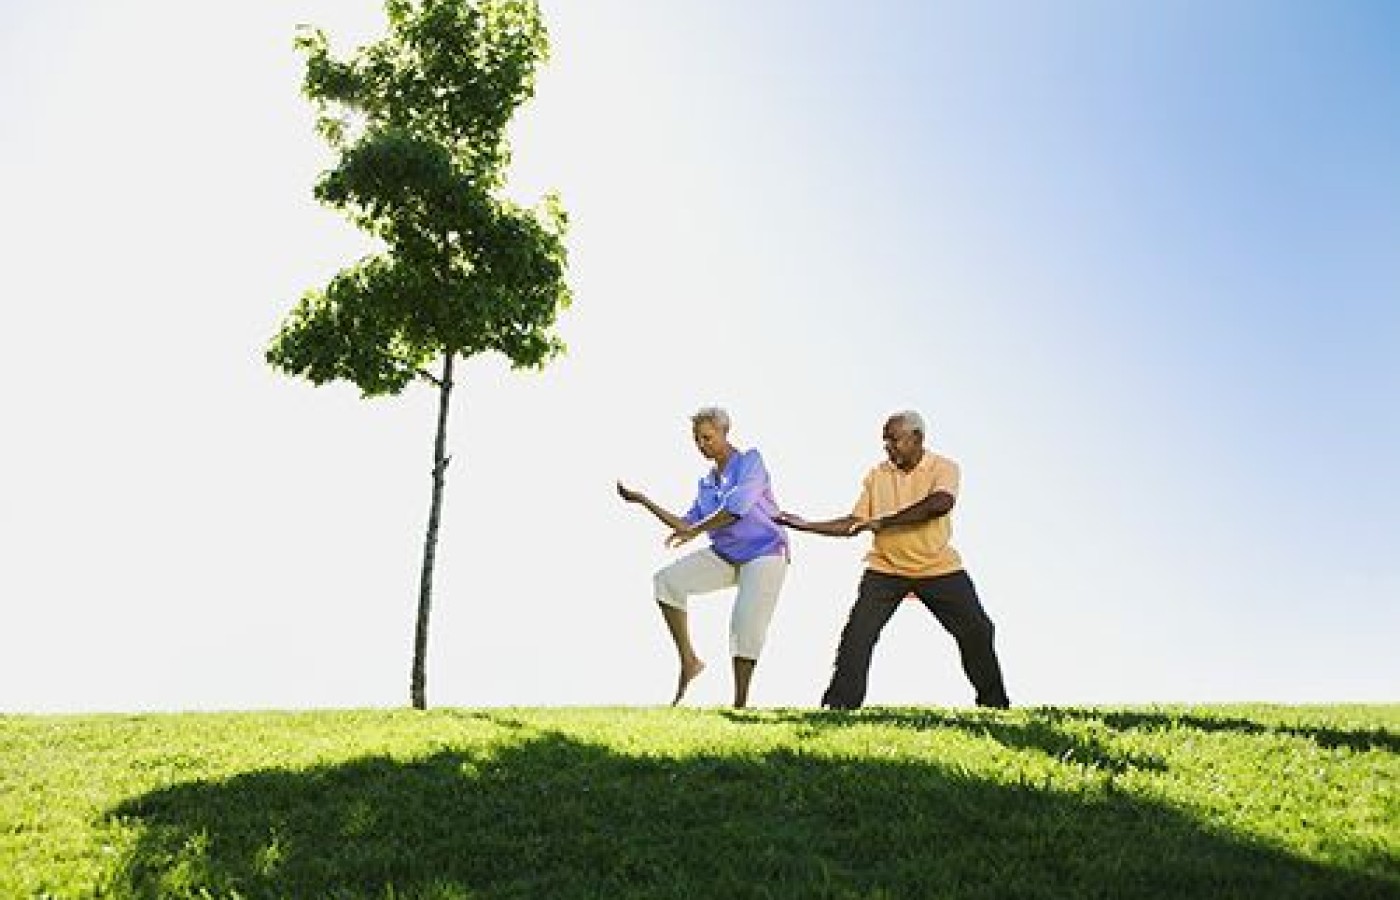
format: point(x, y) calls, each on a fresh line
point(715, 477)
point(925, 462)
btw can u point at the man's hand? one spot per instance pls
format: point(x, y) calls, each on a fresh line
point(683, 536)
point(790, 519)
point(628, 494)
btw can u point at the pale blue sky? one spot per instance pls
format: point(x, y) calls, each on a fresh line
point(1137, 263)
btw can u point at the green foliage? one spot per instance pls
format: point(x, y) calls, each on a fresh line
point(418, 120)
point(1159, 802)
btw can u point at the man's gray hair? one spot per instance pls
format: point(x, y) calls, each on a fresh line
point(713, 414)
point(911, 420)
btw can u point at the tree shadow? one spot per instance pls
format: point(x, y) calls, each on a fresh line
point(545, 815)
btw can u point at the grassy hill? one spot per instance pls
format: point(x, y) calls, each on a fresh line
point(1192, 802)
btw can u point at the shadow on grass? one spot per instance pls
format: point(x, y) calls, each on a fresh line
point(544, 815)
point(1327, 737)
point(1034, 733)
point(1043, 729)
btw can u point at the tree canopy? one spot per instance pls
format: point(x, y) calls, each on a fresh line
point(418, 119)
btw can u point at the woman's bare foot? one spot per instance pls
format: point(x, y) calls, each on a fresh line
point(688, 672)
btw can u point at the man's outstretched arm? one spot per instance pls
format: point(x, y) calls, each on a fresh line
point(842, 527)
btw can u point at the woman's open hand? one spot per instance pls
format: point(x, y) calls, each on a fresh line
point(683, 536)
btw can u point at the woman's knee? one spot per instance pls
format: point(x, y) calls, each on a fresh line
point(748, 628)
point(667, 589)
point(753, 610)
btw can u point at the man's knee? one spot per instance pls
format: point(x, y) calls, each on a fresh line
point(860, 631)
point(978, 630)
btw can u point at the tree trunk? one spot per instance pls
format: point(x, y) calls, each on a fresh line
point(418, 681)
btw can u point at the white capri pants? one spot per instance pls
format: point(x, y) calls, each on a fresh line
point(704, 571)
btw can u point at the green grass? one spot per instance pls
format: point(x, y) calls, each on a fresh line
point(1203, 802)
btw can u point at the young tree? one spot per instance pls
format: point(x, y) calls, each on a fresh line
point(418, 122)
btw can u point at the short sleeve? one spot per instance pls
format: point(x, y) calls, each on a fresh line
point(692, 515)
point(865, 506)
point(947, 478)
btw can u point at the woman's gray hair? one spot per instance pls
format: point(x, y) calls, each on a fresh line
point(713, 414)
point(911, 420)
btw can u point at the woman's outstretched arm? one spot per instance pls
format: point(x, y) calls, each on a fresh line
point(671, 520)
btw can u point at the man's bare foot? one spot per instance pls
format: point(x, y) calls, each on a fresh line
point(688, 672)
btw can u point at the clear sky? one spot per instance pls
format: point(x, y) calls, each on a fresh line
point(1138, 264)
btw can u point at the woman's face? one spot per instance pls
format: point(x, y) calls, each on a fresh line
point(710, 439)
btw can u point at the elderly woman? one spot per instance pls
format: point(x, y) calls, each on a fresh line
point(734, 506)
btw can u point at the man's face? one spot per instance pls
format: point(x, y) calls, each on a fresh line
point(903, 445)
point(709, 439)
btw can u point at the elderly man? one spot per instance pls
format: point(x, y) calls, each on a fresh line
point(906, 501)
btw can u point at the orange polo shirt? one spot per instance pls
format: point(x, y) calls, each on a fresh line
point(916, 551)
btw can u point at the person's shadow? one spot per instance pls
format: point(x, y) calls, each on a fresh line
point(552, 817)
point(1328, 737)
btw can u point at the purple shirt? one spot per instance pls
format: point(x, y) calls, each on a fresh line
point(742, 489)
